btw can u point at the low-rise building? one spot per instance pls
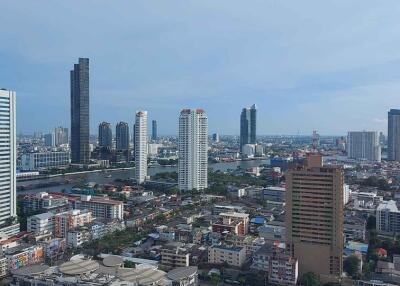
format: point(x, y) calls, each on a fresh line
point(77, 237)
point(70, 220)
point(232, 255)
point(174, 255)
point(388, 218)
point(23, 255)
point(41, 223)
point(280, 267)
point(3, 267)
point(101, 207)
point(234, 223)
point(276, 194)
point(43, 202)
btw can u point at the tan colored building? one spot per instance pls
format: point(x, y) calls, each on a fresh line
point(173, 256)
point(314, 218)
point(232, 222)
point(232, 255)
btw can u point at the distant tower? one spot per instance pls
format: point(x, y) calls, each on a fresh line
point(192, 147)
point(215, 137)
point(393, 139)
point(154, 130)
point(105, 135)
point(61, 135)
point(315, 141)
point(248, 126)
point(141, 146)
point(363, 145)
point(122, 136)
point(80, 149)
point(50, 140)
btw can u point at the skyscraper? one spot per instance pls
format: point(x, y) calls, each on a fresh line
point(141, 146)
point(8, 203)
point(105, 135)
point(314, 218)
point(61, 135)
point(80, 151)
point(192, 147)
point(154, 130)
point(393, 139)
point(50, 139)
point(363, 145)
point(248, 126)
point(122, 136)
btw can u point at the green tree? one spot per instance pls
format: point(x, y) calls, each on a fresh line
point(309, 279)
point(351, 264)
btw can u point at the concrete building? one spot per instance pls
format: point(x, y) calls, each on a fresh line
point(43, 202)
point(101, 207)
point(105, 135)
point(141, 146)
point(174, 255)
point(41, 223)
point(232, 255)
point(393, 140)
point(314, 218)
point(44, 160)
point(193, 148)
point(77, 237)
point(363, 145)
point(215, 137)
point(80, 149)
point(275, 194)
point(280, 268)
point(61, 136)
point(248, 126)
point(70, 220)
point(388, 218)
point(184, 276)
point(122, 136)
point(50, 140)
point(234, 223)
point(154, 135)
point(8, 157)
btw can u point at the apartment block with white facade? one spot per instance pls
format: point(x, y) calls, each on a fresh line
point(193, 148)
point(140, 146)
point(8, 203)
point(44, 160)
point(102, 208)
point(41, 223)
point(233, 255)
point(363, 145)
point(388, 218)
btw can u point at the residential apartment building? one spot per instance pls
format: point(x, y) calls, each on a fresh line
point(44, 160)
point(232, 255)
point(70, 220)
point(314, 218)
point(174, 255)
point(193, 148)
point(77, 237)
point(122, 136)
point(388, 218)
point(105, 135)
point(43, 202)
point(363, 145)
point(41, 223)
point(140, 146)
point(393, 140)
point(100, 207)
point(281, 268)
point(248, 126)
point(8, 157)
point(234, 223)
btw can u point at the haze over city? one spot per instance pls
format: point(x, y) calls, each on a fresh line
point(325, 65)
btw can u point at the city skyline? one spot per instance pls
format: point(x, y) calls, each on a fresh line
point(163, 67)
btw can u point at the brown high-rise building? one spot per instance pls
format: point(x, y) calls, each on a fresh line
point(314, 218)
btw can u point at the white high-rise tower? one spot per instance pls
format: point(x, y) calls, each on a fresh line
point(141, 146)
point(193, 145)
point(8, 203)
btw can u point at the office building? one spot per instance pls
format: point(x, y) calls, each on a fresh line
point(44, 160)
point(388, 218)
point(248, 126)
point(192, 149)
point(232, 255)
point(314, 218)
point(363, 145)
point(80, 149)
point(50, 140)
point(8, 203)
point(122, 136)
point(393, 139)
point(141, 146)
point(61, 136)
point(105, 135)
point(154, 130)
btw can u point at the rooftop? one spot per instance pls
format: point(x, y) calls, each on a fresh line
point(182, 272)
point(78, 267)
point(388, 205)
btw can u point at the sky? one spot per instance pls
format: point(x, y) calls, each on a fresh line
point(331, 65)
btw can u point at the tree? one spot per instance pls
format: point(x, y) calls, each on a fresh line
point(309, 279)
point(351, 264)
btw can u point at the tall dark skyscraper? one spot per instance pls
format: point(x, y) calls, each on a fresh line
point(105, 135)
point(80, 151)
point(154, 130)
point(122, 136)
point(393, 139)
point(248, 126)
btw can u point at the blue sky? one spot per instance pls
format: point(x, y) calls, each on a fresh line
point(327, 65)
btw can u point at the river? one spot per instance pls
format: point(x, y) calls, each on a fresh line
point(100, 178)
